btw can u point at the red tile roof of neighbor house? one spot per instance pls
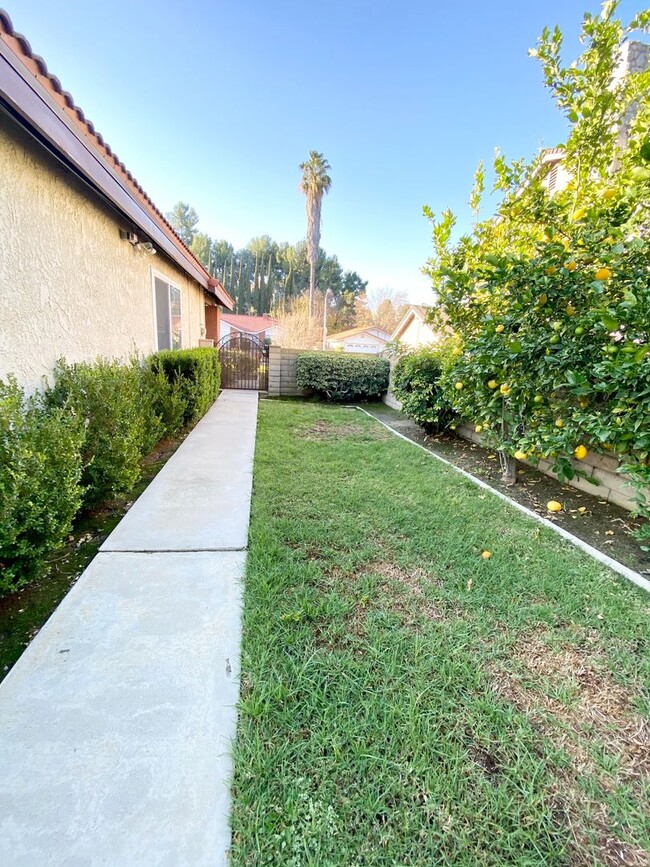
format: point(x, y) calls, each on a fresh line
point(37, 99)
point(249, 324)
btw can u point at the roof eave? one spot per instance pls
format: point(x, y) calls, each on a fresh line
point(35, 108)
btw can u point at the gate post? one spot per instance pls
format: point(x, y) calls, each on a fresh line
point(275, 367)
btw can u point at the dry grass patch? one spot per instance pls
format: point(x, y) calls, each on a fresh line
point(324, 430)
point(598, 718)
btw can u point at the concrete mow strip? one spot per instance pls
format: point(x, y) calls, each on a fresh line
point(116, 724)
point(200, 500)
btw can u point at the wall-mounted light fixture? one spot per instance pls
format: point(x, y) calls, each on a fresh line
point(145, 247)
point(131, 237)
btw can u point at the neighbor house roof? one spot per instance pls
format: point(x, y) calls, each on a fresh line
point(36, 99)
point(249, 324)
point(351, 332)
point(415, 311)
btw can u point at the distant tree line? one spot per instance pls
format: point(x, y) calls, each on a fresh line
point(266, 275)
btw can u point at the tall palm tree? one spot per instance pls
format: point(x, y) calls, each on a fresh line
point(315, 182)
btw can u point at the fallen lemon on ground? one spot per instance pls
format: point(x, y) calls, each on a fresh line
point(554, 506)
point(486, 555)
point(580, 452)
point(478, 428)
point(603, 274)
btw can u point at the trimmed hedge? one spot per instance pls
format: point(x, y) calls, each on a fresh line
point(82, 442)
point(40, 474)
point(194, 376)
point(416, 384)
point(338, 376)
point(109, 399)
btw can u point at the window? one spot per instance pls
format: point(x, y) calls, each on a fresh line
point(167, 304)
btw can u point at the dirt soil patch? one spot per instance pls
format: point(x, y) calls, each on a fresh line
point(603, 525)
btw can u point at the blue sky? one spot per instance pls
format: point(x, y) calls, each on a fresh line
point(216, 103)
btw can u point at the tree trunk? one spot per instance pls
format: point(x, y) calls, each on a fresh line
point(508, 469)
point(312, 287)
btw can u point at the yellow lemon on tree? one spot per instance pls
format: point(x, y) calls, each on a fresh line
point(580, 452)
point(559, 422)
point(492, 383)
point(570, 310)
point(583, 402)
point(554, 506)
point(520, 456)
point(504, 389)
point(609, 194)
point(460, 386)
point(579, 214)
point(478, 428)
point(603, 274)
point(572, 265)
point(500, 328)
point(551, 270)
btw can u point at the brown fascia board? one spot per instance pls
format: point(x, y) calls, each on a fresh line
point(31, 103)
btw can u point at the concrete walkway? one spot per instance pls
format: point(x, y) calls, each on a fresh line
point(117, 722)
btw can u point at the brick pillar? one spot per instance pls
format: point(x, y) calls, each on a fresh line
point(212, 323)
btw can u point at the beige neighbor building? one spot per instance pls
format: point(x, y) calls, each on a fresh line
point(368, 340)
point(88, 265)
point(414, 331)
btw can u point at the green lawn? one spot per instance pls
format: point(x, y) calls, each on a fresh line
point(405, 701)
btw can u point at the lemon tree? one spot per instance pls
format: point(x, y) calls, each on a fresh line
point(549, 299)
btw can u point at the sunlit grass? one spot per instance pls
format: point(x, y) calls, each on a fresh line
point(406, 701)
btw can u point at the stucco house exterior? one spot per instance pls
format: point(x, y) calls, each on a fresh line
point(262, 327)
point(89, 266)
point(368, 339)
point(414, 331)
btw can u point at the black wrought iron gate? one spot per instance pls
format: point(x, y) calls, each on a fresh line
point(244, 362)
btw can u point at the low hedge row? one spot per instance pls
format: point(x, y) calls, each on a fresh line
point(416, 384)
point(81, 442)
point(339, 376)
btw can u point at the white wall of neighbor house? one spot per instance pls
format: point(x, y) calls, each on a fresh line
point(366, 343)
point(70, 287)
point(418, 333)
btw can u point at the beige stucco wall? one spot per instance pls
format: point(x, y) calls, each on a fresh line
point(69, 285)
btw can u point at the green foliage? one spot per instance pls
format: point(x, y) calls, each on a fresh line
point(416, 384)
point(550, 300)
point(108, 398)
point(40, 471)
point(194, 376)
point(339, 376)
point(81, 443)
